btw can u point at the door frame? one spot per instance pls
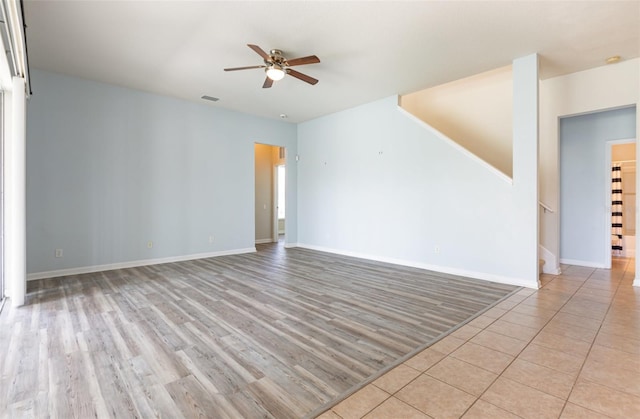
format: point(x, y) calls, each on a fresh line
point(607, 197)
point(276, 190)
point(274, 222)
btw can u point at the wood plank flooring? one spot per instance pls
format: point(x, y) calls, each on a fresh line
point(274, 334)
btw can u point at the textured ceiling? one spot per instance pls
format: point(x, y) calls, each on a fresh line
point(369, 50)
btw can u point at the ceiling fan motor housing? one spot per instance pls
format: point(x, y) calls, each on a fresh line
point(276, 57)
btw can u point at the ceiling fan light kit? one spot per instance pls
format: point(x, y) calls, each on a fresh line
point(275, 72)
point(276, 66)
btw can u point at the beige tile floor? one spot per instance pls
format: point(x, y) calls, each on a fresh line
point(568, 350)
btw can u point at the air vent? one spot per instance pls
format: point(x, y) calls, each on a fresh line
point(211, 98)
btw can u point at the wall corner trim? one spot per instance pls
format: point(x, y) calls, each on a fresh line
point(134, 264)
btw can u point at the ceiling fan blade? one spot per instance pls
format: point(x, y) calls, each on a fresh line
point(244, 68)
point(311, 59)
point(301, 76)
point(260, 52)
point(267, 83)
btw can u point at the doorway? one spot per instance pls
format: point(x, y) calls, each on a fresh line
point(621, 156)
point(270, 193)
point(585, 183)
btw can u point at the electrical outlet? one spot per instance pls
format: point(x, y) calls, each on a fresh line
point(149, 244)
point(211, 238)
point(436, 249)
point(59, 253)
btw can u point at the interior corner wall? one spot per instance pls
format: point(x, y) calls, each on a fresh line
point(601, 88)
point(110, 169)
point(374, 183)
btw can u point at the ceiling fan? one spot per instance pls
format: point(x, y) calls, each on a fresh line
point(277, 66)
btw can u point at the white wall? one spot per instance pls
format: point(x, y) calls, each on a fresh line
point(585, 184)
point(586, 91)
point(375, 182)
point(525, 162)
point(13, 154)
point(109, 169)
point(14, 192)
point(476, 112)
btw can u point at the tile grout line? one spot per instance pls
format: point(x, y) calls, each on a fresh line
point(523, 349)
point(593, 342)
point(467, 341)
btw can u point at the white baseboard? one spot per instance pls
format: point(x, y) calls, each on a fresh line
point(264, 241)
point(551, 265)
point(636, 282)
point(291, 245)
point(587, 263)
point(520, 282)
point(551, 271)
point(134, 264)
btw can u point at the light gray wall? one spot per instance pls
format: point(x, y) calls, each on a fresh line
point(585, 176)
point(374, 182)
point(109, 169)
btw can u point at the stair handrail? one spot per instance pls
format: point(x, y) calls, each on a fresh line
point(545, 207)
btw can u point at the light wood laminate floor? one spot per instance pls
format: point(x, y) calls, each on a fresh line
point(278, 333)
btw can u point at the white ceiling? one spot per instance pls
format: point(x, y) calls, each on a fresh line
point(368, 50)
